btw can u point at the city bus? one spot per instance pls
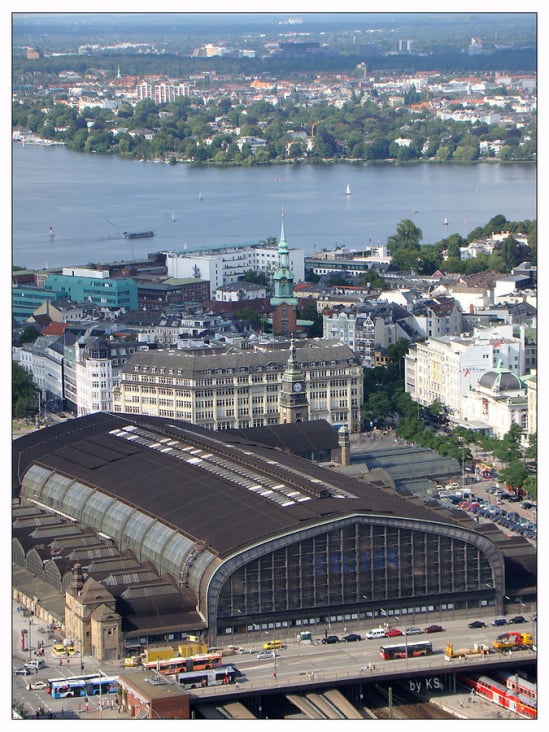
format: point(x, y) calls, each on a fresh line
point(401, 650)
point(202, 662)
point(76, 685)
point(211, 677)
point(103, 685)
point(62, 689)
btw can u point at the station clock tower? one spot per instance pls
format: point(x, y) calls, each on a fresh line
point(293, 402)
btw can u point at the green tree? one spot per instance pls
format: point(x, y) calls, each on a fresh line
point(377, 407)
point(373, 279)
point(258, 278)
point(250, 313)
point(309, 311)
point(532, 449)
point(407, 236)
point(514, 475)
point(29, 335)
point(24, 394)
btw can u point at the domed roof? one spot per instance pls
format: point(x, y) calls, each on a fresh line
point(500, 379)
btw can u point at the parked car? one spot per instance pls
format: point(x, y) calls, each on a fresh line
point(413, 631)
point(518, 619)
point(499, 621)
point(22, 671)
point(264, 655)
point(352, 637)
point(477, 624)
point(392, 632)
point(433, 629)
point(331, 639)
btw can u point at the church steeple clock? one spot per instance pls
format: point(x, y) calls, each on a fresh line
point(293, 402)
point(284, 303)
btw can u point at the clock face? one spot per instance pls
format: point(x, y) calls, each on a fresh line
point(298, 387)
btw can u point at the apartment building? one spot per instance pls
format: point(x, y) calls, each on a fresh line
point(450, 370)
point(241, 388)
point(355, 329)
point(443, 369)
point(92, 366)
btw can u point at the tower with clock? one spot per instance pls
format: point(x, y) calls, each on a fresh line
point(293, 402)
point(283, 303)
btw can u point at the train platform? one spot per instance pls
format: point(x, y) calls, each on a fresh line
point(465, 705)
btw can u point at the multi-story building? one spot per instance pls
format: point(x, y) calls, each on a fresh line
point(241, 388)
point(44, 362)
point(92, 285)
point(162, 92)
point(172, 329)
point(447, 369)
point(356, 329)
point(92, 367)
point(158, 295)
point(441, 316)
point(26, 299)
point(369, 328)
point(240, 291)
point(498, 400)
point(225, 265)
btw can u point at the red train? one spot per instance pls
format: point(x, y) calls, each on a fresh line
point(499, 694)
point(517, 683)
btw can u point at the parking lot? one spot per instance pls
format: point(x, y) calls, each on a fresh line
point(487, 502)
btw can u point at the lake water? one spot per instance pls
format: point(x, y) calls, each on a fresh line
point(90, 200)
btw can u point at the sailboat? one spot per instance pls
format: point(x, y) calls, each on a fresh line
point(173, 217)
point(445, 222)
point(51, 232)
point(200, 196)
point(348, 190)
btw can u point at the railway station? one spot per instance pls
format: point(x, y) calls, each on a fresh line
point(240, 536)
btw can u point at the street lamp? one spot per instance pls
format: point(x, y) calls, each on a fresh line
point(397, 617)
point(30, 643)
point(273, 649)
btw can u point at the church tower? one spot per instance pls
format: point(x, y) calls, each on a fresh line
point(293, 402)
point(284, 304)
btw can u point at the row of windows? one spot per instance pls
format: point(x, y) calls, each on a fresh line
point(346, 565)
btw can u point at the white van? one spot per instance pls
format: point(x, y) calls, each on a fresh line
point(35, 664)
point(376, 633)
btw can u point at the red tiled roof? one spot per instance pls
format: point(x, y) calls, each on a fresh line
point(54, 328)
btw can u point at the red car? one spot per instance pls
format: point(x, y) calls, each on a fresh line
point(433, 629)
point(392, 632)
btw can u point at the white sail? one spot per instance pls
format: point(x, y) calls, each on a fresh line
point(348, 190)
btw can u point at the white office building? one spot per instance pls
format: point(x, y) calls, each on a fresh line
point(225, 265)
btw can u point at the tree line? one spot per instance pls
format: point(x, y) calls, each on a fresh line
point(190, 129)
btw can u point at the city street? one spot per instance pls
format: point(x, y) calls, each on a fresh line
point(295, 664)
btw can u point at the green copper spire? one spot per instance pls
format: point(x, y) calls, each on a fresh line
point(283, 278)
point(282, 244)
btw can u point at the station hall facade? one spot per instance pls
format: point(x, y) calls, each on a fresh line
point(259, 537)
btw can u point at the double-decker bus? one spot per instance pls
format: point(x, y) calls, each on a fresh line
point(226, 674)
point(202, 662)
point(403, 650)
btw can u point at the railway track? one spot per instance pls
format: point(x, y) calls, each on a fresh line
point(398, 704)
